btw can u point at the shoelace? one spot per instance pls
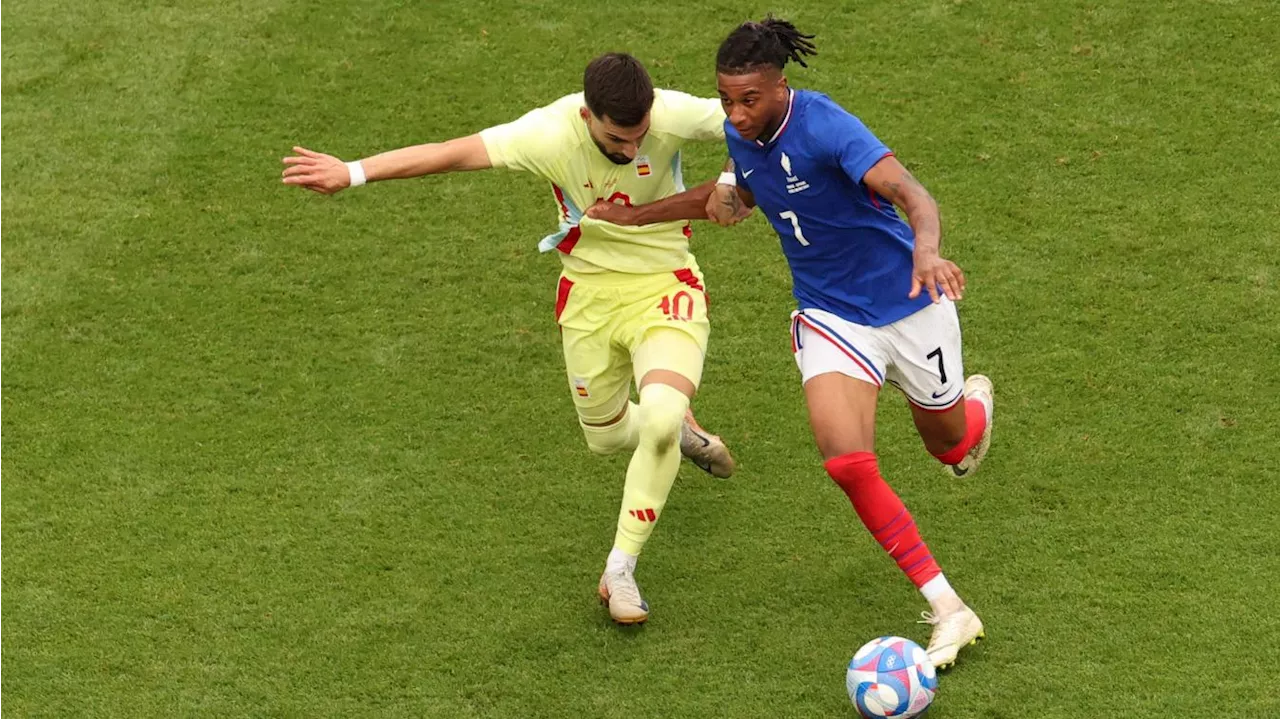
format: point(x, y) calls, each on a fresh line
point(936, 622)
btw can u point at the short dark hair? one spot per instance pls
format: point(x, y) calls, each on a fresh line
point(617, 86)
point(770, 42)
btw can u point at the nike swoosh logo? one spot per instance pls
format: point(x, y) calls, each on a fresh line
point(747, 173)
point(958, 471)
point(706, 441)
point(939, 395)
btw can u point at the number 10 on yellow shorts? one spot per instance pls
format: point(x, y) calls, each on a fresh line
point(616, 328)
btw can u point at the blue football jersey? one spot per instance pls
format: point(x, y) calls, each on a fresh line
point(849, 251)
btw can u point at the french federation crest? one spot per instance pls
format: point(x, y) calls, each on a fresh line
point(794, 184)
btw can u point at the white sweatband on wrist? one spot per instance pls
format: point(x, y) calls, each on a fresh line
point(357, 173)
point(728, 178)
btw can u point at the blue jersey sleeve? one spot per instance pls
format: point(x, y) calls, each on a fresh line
point(852, 145)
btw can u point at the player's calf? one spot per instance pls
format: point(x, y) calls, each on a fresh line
point(650, 474)
point(884, 515)
point(653, 466)
point(979, 411)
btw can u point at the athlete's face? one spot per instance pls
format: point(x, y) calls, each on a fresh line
point(619, 144)
point(755, 102)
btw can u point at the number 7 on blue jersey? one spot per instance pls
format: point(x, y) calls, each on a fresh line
point(795, 226)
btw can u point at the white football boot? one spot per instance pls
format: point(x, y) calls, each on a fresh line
point(619, 592)
point(951, 633)
point(977, 387)
point(704, 449)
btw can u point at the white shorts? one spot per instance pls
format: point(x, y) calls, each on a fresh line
point(918, 354)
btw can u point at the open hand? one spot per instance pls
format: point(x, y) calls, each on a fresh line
point(316, 171)
point(932, 273)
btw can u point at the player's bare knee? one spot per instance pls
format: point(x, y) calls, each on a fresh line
point(662, 410)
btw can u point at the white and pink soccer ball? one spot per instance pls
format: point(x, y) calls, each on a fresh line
point(891, 677)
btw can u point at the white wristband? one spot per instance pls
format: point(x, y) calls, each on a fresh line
point(728, 178)
point(357, 173)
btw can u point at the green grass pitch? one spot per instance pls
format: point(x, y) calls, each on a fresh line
point(276, 455)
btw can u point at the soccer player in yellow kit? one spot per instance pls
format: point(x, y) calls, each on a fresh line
point(631, 301)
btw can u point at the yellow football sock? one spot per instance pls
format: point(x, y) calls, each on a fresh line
point(653, 467)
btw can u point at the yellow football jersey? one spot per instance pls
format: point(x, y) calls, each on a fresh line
point(553, 142)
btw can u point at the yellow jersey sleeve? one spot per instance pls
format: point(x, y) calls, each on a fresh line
point(536, 142)
point(688, 117)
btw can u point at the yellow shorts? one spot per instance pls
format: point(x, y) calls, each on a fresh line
point(616, 327)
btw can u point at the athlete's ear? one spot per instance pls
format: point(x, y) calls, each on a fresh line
point(587, 117)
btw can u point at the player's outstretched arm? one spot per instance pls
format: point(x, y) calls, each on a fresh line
point(327, 174)
point(889, 179)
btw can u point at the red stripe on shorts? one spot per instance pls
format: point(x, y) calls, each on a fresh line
point(823, 334)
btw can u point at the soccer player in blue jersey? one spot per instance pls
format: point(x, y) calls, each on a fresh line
point(875, 295)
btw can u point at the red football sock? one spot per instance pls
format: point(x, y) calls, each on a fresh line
point(975, 417)
point(883, 513)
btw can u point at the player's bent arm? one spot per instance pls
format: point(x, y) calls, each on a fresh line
point(701, 203)
point(719, 200)
point(889, 179)
point(687, 205)
point(460, 154)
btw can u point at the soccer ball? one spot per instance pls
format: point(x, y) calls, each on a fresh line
point(891, 677)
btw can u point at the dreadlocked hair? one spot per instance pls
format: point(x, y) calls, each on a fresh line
point(772, 41)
